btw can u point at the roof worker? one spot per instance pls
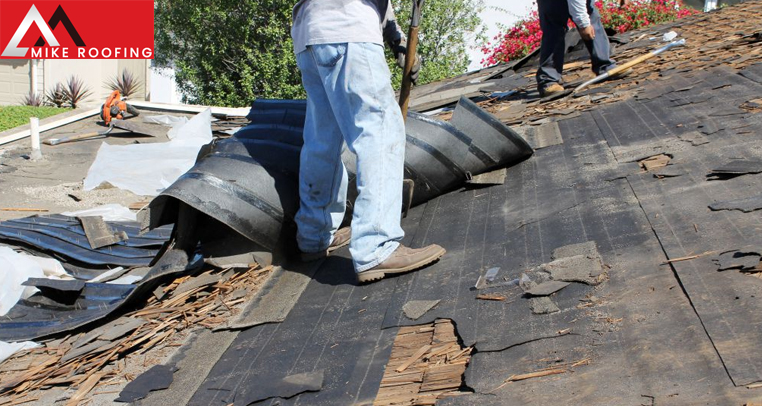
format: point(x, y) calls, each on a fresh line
point(554, 15)
point(340, 53)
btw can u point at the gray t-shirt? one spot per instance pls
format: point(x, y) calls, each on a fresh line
point(338, 21)
point(578, 13)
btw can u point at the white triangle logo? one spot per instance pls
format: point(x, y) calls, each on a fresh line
point(33, 16)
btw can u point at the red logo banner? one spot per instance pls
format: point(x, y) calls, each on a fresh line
point(59, 29)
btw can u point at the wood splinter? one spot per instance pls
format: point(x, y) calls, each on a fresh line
point(521, 377)
point(418, 354)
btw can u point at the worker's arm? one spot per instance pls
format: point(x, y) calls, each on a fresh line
point(391, 29)
point(397, 40)
point(578, 13)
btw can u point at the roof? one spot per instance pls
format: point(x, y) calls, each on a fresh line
point(654, 322)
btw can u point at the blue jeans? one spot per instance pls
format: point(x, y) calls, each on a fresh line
point(350, 99)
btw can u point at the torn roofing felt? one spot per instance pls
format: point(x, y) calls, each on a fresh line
point(157, 378)
point(65, 236)
point(746, 204)
point(285, 387)
point(249, 182)
point(66, 305)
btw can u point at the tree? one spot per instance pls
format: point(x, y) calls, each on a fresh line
point(446, 29)
point(229, 53)
point(226, 52)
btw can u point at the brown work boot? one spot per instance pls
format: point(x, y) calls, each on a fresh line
point(402, 260)
point(550, 89)
point(341, 238)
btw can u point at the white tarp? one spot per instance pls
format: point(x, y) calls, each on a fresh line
point(8, 349)
point(16, 269)
point(109, 212)
point(148, 169)
point(51, 268)
point(165, 119)
point(172, 121)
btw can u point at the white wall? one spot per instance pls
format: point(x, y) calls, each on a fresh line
point(163, 88)
point(95, 73)
point(140, 68)
point(498, 12)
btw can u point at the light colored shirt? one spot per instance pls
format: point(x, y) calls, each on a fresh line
point(578, 12)
point(337, 21)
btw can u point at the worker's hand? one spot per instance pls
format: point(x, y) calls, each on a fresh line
point(623, 3)
point(587, 33)
point(399, 48)
point(397, 41)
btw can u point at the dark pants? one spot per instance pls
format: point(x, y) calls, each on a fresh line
point(554, 15)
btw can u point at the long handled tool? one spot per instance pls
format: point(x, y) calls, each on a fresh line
point(612, 72)
point(628, 65)
point(77, 137)
point(412, 45)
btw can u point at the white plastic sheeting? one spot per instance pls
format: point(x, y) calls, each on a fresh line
point(51, 268)
point(165, 119)
point(16, 269)
point(148, 169)
point(109, 212)
point(8, 349)
point(175, 122)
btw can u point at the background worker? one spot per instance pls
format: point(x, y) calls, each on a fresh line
point(554, 16)
point(339, 51)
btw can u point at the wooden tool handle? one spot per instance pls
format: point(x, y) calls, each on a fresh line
point(630, 64)
point(407, 80)
point(56, 141)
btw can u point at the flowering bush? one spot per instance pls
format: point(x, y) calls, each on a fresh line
point(525, 35)
point(518, 41)
point(641, 14)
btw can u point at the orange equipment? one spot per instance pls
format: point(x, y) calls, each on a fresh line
point(115, 107)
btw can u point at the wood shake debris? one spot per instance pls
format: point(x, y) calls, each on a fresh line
point(89, 360)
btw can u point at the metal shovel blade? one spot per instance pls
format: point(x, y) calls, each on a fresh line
point(153, 130)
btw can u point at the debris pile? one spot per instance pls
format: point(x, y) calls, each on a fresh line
point(580, 263)
point(87, 360)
